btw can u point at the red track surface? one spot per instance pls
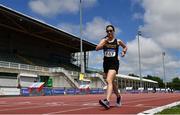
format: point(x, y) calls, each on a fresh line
point(83, 104)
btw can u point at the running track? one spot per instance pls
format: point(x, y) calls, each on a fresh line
point(83, 104)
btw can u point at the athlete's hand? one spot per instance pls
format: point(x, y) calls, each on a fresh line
point(122, 54)
point(107, 39)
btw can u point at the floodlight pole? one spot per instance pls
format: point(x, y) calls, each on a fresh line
point(163, 55)
point(81, 45)
point(139, 52)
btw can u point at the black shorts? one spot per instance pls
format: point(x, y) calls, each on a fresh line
point(111, 64)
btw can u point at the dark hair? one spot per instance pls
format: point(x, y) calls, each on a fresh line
point(110, 26)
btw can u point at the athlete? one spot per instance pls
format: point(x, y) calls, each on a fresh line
point(110, 46)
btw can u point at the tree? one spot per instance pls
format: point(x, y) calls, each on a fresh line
point(132, 74)
point(156, 78)
point(176, 83)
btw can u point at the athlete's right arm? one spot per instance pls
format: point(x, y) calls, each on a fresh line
point(101, 44)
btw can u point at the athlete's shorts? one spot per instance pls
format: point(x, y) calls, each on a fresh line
point(111, 65)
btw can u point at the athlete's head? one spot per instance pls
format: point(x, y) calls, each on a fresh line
point(110, 30)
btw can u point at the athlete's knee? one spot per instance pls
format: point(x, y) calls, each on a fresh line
point(109, 81)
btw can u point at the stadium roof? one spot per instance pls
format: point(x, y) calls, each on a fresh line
point(16, 21)
point(128, 77)
point(135, 78)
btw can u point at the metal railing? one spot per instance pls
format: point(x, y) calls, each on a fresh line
point(13, 65)
point(68, 73)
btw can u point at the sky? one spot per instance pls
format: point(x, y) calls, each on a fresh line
point(158, 20)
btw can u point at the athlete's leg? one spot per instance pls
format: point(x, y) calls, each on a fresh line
point(110, 77)
point(115, 89)
point(105, 77)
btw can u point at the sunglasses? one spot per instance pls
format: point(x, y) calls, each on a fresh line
point(109, 31)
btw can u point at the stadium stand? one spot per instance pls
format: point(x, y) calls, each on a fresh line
point(31, 47)
point(10, 57)
point(8, 79)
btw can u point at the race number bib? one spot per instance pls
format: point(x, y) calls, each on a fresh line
point(110, 53)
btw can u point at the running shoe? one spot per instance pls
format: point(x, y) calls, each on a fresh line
point(104, 103)
point(118, 101)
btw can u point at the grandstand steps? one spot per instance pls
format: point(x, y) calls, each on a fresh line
point(68, 76)
point(70, 80)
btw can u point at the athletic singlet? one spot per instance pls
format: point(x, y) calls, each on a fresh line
point(111, 50)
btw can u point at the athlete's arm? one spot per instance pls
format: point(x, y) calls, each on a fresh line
point(101, 44)
point(124, 48)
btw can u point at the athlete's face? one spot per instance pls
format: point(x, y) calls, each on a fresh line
point(110, 32)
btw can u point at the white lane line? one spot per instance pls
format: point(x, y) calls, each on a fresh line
point(158, 109)
point(3, 102)
point(145, 106)
point(90, 104)
point(22, 108)
point(39, 106)
point(34, 106)
point(138, 105)
point(9, 104)
point(54, 103)
point(58, 112)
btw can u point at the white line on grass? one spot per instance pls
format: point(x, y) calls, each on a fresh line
point(158, 109)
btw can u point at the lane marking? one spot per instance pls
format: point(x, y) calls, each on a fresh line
point(158, 109)
point(58, 112)
point(3, 102)
point(138, 105)
point(22, 108)
point(19, 103)
point(90, 104)
point(54, 103)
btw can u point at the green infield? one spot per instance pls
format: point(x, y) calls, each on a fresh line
point(173, 110)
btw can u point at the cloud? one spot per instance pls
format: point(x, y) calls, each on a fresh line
point(162, 22)
point(170, 40)
point(95, 29)
point(137, 16)
point(148, 48)
point(55, 7)
point(92, 31)
point(150, 54)
point(70, 28)
point(151, 59)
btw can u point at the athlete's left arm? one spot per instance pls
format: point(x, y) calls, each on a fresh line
point(120, 43)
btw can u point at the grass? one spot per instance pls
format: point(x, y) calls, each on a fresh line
point(173, 110)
